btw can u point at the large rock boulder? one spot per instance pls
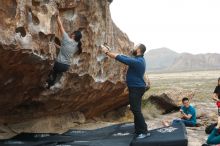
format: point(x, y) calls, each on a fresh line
point(171, 100)
point(93, 85)
point(163, 103)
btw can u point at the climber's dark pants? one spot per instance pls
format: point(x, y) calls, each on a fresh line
point(56, 73)
point(135, 98)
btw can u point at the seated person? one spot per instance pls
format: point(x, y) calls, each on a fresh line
point(214, 137)
point(188, 114)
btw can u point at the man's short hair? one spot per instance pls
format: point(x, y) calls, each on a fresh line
point(185, 99)
point(142, 48)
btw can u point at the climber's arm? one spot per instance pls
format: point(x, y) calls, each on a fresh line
point(60, 25)
point(57, 45)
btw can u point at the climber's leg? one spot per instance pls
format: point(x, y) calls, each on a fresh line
point(56, 74)
point(51, 79)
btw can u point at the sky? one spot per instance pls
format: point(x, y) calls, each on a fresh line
point(191, 26)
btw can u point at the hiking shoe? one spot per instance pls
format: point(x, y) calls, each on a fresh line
point(45, 85)
point(56, 86)
point(143, 135)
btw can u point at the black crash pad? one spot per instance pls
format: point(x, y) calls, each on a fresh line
point(174, 135)
point(36, 139)
point(101, 133)
point(119, 134)
point(115, 135)
point(122, 135)
point(122, 140)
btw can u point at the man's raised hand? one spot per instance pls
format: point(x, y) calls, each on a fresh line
point(104, 48)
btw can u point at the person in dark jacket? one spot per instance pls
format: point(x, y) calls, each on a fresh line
point(214, 137)
point(136, 84)
point(216, 94)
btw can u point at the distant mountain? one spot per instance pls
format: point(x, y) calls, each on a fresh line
point(164, 59)
point(160, 59)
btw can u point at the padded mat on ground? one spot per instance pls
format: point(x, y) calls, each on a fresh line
point(101, 133)
point(174, 135)
point(120, 140)
point(36, 139)
point(115, 135)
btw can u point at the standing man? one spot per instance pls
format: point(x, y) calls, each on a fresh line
point(136, 84)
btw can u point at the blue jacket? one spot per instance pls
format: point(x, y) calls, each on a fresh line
point(136, 70)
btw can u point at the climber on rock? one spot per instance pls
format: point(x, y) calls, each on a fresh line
point(136, 84)
point(70, 44)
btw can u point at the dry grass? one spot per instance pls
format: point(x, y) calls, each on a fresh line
point(150, 111)
point(201, 82)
